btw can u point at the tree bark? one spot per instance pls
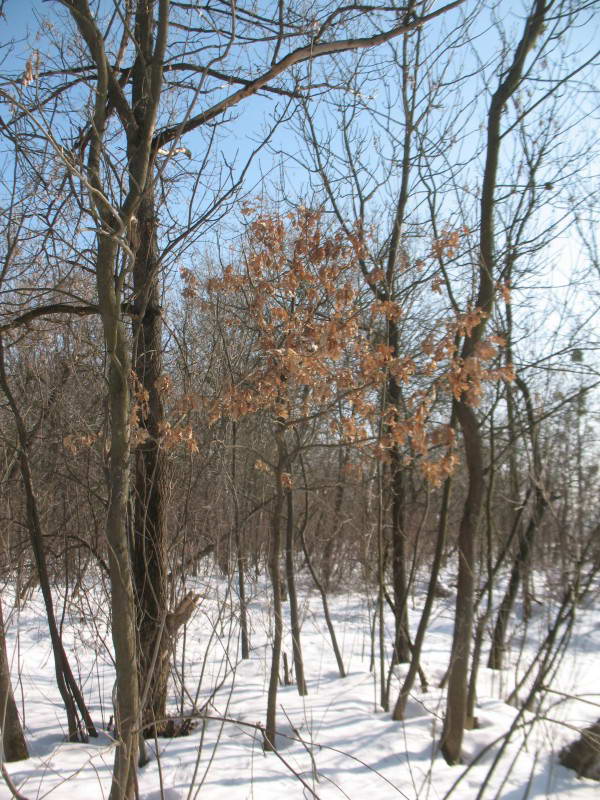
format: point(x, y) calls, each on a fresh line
point(456, 707)
point(14, 746)
point(127, 711)
point(401, 638)
point(149, 556)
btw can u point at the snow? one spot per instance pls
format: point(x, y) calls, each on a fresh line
point(335, 743)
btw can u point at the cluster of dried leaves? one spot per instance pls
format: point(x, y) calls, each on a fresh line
point(318, 349)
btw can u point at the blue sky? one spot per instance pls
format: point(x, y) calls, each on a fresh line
point(22, 18)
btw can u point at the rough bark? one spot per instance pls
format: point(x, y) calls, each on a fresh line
point(401, 637)
point(111, 269)
point(124, 633)
point(394, 390)
point(149, 557)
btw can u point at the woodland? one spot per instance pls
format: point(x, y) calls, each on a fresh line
point(298, 332)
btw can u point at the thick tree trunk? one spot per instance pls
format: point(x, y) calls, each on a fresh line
point(127, 706)
point(14, 747)
point(149, 525)
point(127, 711)
point(114, 224)
point(456, 708)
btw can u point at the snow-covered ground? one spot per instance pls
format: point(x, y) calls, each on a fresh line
point(335, 743)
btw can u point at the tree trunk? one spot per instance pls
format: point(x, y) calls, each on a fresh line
point(293, 598)
point(456, 708)
point(516, 578)
point(274, 554)
point(149, 526)
point(526, 540)
point(331, 545)
point(400, 707)
point(401, 637)
point(14, 747)
point(127, 711)
point(113, 226)
point(67, 685)
point(239, 550)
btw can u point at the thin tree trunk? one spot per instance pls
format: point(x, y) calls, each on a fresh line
point(484, 617)
point(326, 613)
point(292, 594)
point(400, 707)
point(383, 693)
point(401, 637)
point(394, 390)
point(333, 538)
point(275, 574)
point(526, 540)
point(498, 648)
point(319, 584)
point(67, 685)
point(239, 550)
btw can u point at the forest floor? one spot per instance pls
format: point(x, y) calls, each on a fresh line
point(336, 742)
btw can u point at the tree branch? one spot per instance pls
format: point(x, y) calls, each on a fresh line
point(307, 53)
